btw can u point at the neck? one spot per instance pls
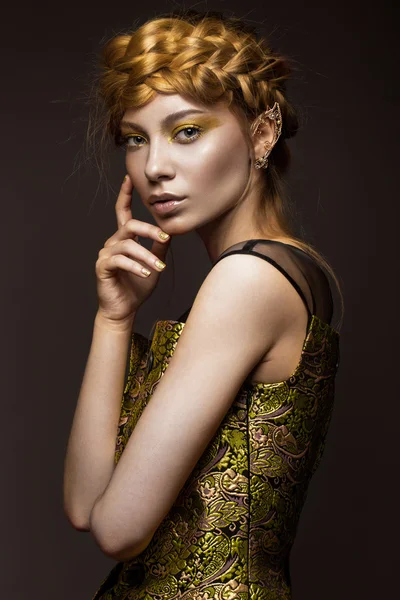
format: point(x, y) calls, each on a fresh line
point(235, 225)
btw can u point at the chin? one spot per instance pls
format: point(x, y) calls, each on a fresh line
point(175, 225)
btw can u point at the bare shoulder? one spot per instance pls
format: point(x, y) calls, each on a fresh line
point(243, 292)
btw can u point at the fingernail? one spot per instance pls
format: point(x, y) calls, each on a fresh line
point(163, 235)
point(125, 178)
point(160, 265)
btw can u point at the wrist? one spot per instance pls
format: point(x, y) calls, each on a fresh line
point(117, 326)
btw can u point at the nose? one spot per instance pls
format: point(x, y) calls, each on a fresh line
point(159, 162)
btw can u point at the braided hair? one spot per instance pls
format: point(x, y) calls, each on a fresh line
point(205, 57)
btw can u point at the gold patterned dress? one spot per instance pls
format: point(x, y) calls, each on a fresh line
point(229, 533)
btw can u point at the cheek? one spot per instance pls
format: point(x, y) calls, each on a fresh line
point(221, 166)
point(135, 170)
point(132, 165)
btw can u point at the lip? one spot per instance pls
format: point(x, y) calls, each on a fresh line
point(165, 196)
point(166, 207)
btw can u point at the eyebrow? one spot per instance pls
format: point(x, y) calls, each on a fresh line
point(168, 120)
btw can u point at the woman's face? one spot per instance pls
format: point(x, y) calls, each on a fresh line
point(201, 156)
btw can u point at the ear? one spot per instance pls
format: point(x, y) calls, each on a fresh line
point(265, 132)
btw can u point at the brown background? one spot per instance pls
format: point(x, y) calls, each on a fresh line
point(344, 184)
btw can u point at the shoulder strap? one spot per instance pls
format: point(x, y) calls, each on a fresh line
point(248, 249)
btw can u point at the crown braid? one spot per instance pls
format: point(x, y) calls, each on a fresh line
point(210, 59)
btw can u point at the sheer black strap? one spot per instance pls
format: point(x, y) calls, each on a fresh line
point(300, 269)
point(248, 249)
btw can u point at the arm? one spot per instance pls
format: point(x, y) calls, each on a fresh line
point(89, 461)
point(237, 316)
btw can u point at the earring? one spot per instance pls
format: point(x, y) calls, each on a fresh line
point(274, 114)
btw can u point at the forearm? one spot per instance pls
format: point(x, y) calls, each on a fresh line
point(89, 460)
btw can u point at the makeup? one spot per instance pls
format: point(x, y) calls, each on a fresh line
point(202, 124)
point(167, 206)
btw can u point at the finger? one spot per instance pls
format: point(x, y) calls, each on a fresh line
point(135, 228)
point(115, 262)
point(123, 204)
point(160, 249)
point(129, 248)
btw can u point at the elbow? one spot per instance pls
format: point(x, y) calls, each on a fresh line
point(119, 543)
point(78, 521)
point(76, 510)
point(132, 550)
point(99, 533)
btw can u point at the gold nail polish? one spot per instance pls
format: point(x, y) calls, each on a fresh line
point(162, 235)
point(125, 178)
point(146, 271)
point(160, 265)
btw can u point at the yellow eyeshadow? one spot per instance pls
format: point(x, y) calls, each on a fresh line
point(203, 122)
point(206, 122)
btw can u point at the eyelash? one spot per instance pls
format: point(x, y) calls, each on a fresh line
point(122, 140)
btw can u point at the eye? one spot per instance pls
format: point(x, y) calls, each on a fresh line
point(187, 134)
point(130, 141)
point(193, 131)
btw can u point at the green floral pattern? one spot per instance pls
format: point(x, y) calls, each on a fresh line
point(229, 533)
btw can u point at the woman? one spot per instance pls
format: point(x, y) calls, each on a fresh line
point(197, 494)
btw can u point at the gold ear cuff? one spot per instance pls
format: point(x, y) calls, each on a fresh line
point(274, 114)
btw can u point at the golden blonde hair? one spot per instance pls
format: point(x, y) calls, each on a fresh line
point(209, 58)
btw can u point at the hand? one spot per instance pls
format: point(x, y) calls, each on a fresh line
point(121, 284)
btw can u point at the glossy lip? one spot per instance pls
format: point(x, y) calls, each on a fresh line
point(165, 196)
point(166, 207)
